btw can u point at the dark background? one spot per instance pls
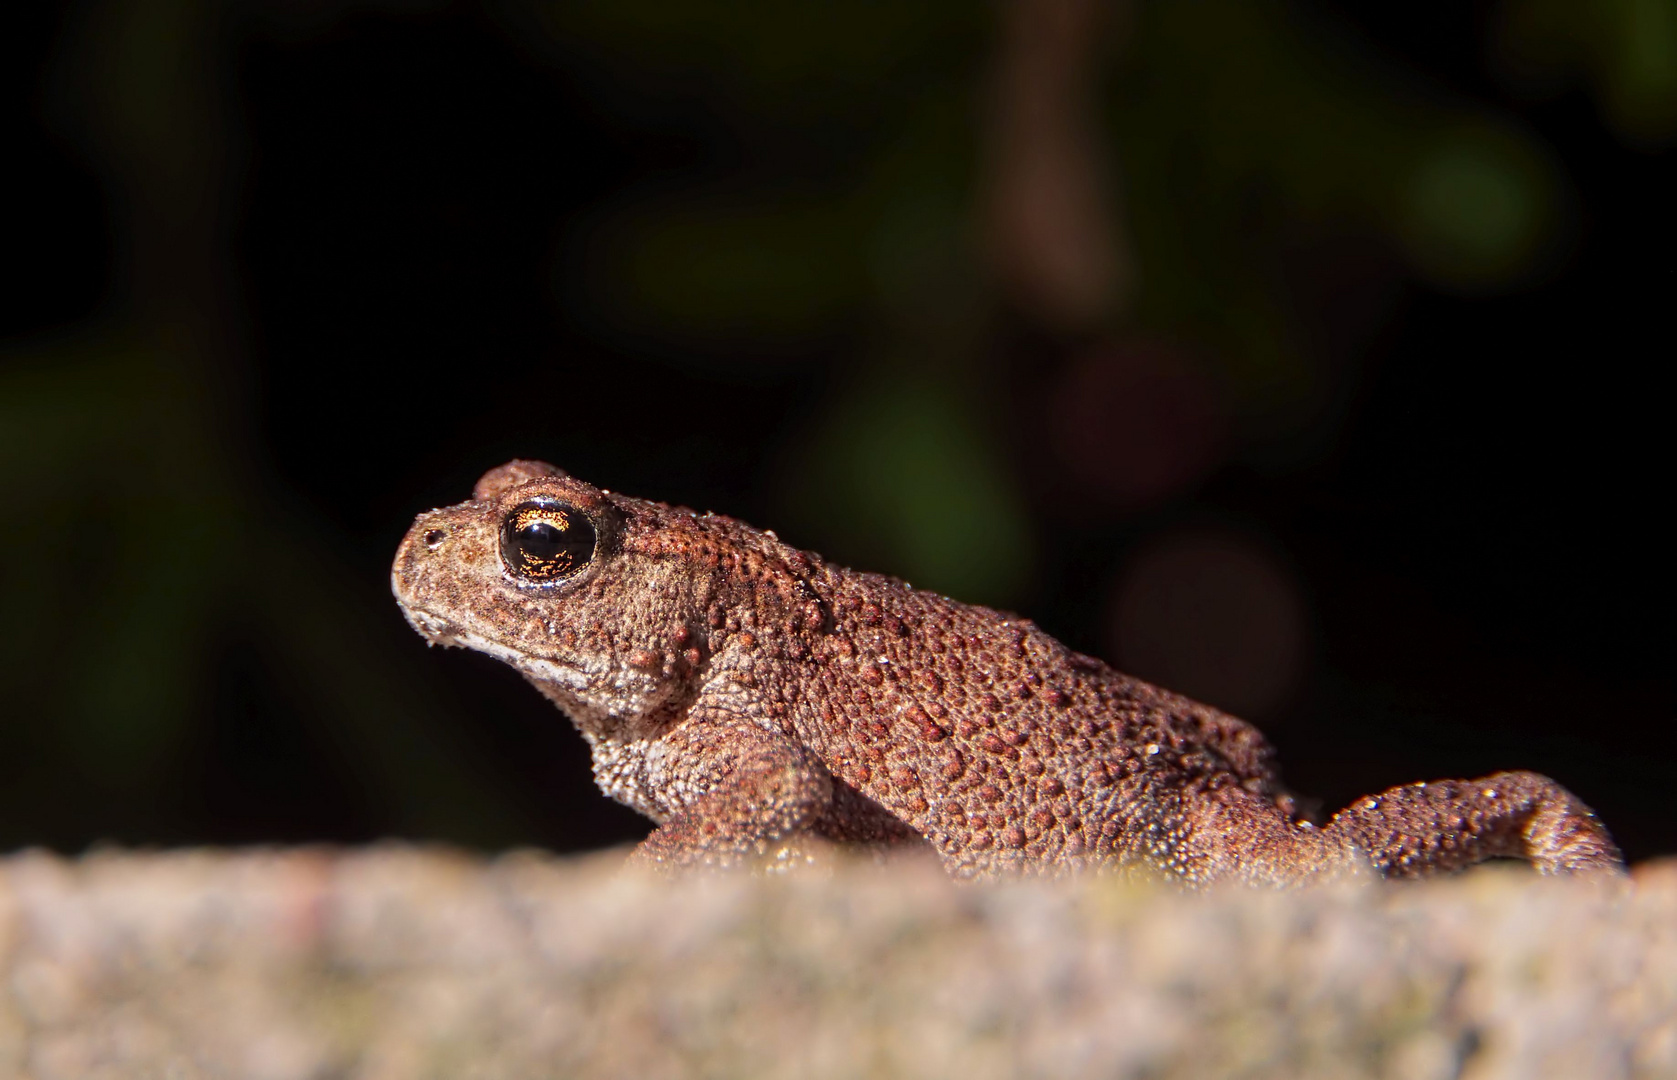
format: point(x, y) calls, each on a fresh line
point(1301, 356)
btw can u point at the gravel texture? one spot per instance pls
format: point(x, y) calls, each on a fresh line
point(396, 962)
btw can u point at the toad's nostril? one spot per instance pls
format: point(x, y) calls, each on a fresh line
point(435, 538)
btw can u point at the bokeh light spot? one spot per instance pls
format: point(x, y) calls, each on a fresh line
point(1477, 209)
point(1137, 422)
point(1212, 615)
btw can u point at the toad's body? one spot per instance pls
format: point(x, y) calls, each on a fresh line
point(746, 695)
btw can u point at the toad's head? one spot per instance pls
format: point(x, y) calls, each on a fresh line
point(614, 607)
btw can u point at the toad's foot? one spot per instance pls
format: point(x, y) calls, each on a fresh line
point(1421, 829)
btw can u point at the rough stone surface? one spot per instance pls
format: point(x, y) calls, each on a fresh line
point(395, 962)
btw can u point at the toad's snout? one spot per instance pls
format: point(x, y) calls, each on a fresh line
point(424, 577)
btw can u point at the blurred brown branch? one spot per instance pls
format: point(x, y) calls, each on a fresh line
point(1052, 213)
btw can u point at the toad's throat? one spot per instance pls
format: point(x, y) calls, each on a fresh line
point(440, 630)
point(602, 697)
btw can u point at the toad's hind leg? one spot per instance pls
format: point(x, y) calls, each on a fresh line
point(1446, 825)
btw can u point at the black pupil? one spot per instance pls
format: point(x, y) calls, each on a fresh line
point(546, 541)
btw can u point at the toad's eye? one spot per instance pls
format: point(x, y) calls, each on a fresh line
point(545, 542)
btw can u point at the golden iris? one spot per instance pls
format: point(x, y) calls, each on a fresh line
point(546, 541)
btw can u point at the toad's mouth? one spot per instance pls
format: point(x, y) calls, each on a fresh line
point(437, 630)
point(441, 630)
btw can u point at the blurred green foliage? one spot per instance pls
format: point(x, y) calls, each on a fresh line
point(1235, 124)
point(135, 553)
point(1624, 50)
point(107, 493)
point(136, 548)
point(856, 152)
point(900, 474)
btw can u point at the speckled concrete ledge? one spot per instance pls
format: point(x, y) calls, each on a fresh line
point(396, 962)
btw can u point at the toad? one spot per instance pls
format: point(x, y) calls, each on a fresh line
point(754, 700)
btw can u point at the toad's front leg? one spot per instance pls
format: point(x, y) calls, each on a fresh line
point(738, 793)
point(1446, 825)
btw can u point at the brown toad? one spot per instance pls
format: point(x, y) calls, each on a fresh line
point(745, 694)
